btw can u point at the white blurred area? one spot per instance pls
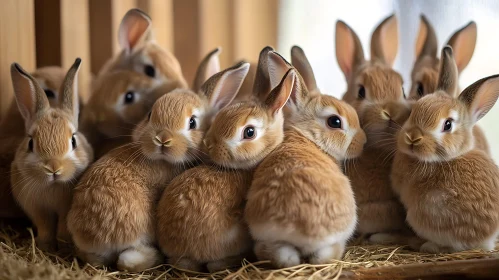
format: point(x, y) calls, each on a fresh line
point(311, 25)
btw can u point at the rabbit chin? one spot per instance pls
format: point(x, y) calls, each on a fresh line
point(158, 154)
point(420, 155)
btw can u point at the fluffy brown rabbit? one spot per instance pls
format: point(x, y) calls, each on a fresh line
point(51, 157)
point(112, 218)
point(141, 53)
point(426, 68)
point(375, 90)
point(300, 204)
point(450, 190)
point(12, 133)
point(200, 214)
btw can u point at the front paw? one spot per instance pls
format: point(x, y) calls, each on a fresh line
point(48, 245)
point(433, 248)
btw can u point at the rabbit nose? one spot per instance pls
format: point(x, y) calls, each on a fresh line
point(163, 139)
point(385, 115)
point(413, 139)
point(207, 144)
point(53, 167)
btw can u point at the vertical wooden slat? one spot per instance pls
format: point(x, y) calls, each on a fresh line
point(255, 26)
point(101, 33)
point(48, 39)
point(187, 36)
point(17, 43)
point(75, 40)
point(161, 13)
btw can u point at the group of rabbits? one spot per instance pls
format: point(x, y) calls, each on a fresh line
point(261, 163)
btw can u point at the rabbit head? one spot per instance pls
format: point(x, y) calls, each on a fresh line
point(424, 74)
point(53, 149)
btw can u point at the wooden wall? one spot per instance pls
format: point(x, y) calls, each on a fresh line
point(38, 33)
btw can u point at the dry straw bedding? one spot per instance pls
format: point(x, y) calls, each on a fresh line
point(20, 259)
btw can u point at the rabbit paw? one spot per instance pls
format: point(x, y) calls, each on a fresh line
point(327, 253)
point(48, 245)
point(138, 259)
point(185, 264)
point(433, 248)
point(286, 256)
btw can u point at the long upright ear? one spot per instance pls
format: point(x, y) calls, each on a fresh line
point(301, 63)
point(135, 30)
point(281, 93)
point(209, 66)
point(463, 42)
point(68, 99)
point(426, 43)
point(447, 75)
point(261, 84)
point(278, 66)
point(349, 51)
point(385, 41)
point(222, 87)
point(481, 96)
point(30, 97)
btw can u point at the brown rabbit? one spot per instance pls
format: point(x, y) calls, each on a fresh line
point(200, 214)
point(300, 204)
point(375, 91)
point(425, 71)
point(112, 218)
point(450, 190)
point(51, 156)
point(141, 53)
point(12, 133)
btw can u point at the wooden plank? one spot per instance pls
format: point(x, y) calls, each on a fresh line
point(187, 36)
point(161, 13)
point(75, 41)
point(255, 26)
point(17, 41)
point(48, 36)
point(467, 269)
point(101, 33)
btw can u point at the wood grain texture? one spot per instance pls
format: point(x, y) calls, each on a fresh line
point(161, 13)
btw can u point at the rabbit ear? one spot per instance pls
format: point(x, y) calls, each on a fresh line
point(426, 43)
point(278, 66)
point(463, 42)
point(385, 41)
point(447, 75)
point(300, 62)
point(481, 96)
point(135, 30)
point(281, 93)
point(261, 85)
point(30, 97)
point(222, 87)
point(68, 98)
point(349, 52)
point(209, 66)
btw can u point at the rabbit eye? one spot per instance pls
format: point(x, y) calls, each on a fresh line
point(447, 125)
point(49, 93)
point(30, 145)
point(362, 92)
point(150, 71)
point(420, 89)
point(249, 132)
point(73, 141)
point(129, 97)
point(334, 122)
point(403, 92)
point(192, 123)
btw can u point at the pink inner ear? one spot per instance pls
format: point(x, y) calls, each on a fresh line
point(136, 32)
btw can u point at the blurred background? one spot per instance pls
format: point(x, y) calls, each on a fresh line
point(38, 33)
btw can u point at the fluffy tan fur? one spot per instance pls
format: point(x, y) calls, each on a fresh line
point(51, 157)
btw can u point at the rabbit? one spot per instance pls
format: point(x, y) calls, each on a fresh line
point(300, 204)
point(51, 157)
point(425, 70)
point(450, 189)
point(375, 90)
point(112, 217)
point(200, 214)
point(11, 128)
point(141, 53)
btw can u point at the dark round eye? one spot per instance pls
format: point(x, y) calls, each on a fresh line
point(149, 116)
point(73, 142)
point(403, 92)
point(420, 89)
point(129, 97)
point(362, 92)
point(192, 123)
point(49, 93)
point(334, 122)
point(249, 132)
point(150, 71)
point(30, 145)
point(448, 125)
